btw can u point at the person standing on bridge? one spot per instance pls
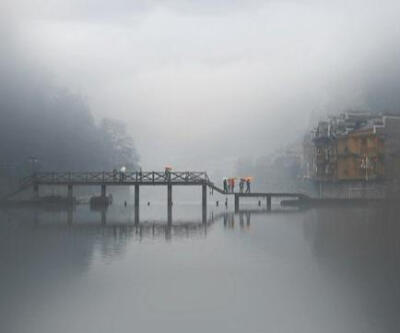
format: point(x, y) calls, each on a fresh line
point(248, 185)
point(225, 182)
point(229, 185)
point(168, 173)
point(241, 185)
point(233, 184)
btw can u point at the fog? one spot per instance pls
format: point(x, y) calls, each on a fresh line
point(228, 87)
point(200, 84)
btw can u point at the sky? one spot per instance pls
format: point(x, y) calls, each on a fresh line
point(201, 83)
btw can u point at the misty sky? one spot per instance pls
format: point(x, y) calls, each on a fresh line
point(200, 83)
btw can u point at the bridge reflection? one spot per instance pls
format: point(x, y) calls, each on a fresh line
point(230, 219)
point(148, 229)
point(180, 228)
point(105, 221)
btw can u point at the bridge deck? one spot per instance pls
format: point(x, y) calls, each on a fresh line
point(152, 178)
point(117, 178)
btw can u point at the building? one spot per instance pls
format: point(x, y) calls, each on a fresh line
point(354, 151)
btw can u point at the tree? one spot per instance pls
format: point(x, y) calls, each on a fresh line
point(116, 138)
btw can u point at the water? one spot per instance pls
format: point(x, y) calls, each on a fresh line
point(318, 270)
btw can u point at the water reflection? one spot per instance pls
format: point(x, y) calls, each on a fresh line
point(358, 251)
point(36, 263)
point(244, 217)
point(102, 221)
point(321, 270)
point(43, 252)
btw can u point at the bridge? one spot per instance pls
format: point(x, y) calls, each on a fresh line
point(140, 178)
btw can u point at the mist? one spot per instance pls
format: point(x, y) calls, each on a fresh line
point(45, 126)
point(200, 85)
point(289, 109)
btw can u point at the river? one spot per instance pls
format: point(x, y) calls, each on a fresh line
point(315, 270)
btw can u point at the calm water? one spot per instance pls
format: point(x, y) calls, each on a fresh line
point(319, 270)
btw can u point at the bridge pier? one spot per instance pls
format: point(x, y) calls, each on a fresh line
point(236, 202)
point(70, 193)
point(137, 198)
point(268, 202)
point(204, 202)
point(103, 191)
point(169, 202)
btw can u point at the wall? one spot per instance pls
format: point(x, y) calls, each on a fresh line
point(352, 149)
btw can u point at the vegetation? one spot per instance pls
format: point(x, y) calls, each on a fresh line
point(43, 127)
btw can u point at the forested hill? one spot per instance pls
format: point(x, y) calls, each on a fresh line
point(45, 127)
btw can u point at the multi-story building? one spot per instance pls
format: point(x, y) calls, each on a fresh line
point(354, 149)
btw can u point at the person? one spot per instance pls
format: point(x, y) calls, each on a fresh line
point(233, 185)
point(248, 185)
point(241, 185)
point(225, 185)
point(168, 173)
point(115, 172)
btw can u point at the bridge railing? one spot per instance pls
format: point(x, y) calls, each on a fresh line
point(121, 177)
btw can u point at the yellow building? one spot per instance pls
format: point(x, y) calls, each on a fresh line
point(359, 156)
point(354, 155)
point(355, 147)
